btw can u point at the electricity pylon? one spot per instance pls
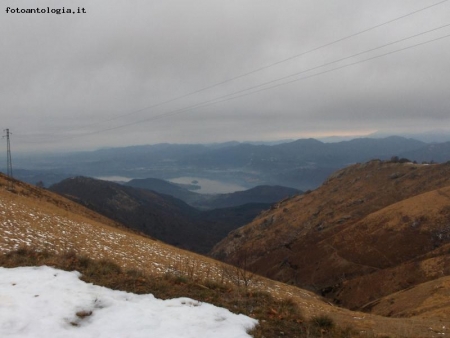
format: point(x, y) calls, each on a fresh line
point(8, 160)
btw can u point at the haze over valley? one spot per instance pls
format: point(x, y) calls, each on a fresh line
point(302, 164)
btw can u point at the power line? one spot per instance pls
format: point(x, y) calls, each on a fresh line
point(245, 92)
point(267, 66)
point(335, 69)
point(333, 62)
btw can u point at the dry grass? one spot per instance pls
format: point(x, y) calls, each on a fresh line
point(371, 230)
point(427, 300)
point(277, 317)
point(54, 226)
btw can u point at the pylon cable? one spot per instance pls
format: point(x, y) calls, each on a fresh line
point(266, 66)
point(245, 92)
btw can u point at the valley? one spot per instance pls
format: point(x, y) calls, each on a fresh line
point(168, 218)
point(369, 247)
point(38, 219)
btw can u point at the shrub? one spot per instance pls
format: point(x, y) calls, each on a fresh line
point(323, 322)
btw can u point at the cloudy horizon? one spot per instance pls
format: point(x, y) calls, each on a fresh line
point(213, 71)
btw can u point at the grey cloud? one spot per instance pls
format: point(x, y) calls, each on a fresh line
point(64, 76)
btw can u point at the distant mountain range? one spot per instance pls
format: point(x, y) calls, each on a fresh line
point(40, 177)
point(302, 164)
point(430, 136)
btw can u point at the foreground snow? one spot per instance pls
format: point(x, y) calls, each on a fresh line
point(45, 302)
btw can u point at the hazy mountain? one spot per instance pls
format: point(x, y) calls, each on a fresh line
point(47, 177)
point(304, 153)
point(431, 136)
point(168, 188)
point(439, 152)
point(364, 149)
point(260, 194)
point(302, 164)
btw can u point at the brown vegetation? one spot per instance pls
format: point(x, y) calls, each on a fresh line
point(58, 229)
point(277, 317)
point(371, 230)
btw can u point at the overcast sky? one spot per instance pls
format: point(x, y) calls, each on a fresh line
point(104, 78)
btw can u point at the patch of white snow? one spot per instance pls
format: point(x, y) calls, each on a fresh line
point(46, 302)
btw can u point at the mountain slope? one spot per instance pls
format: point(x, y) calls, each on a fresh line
point(372, 229)
point(46, 221)
point(426, 300)
point(160, 216)
point(407, 243)
point(43, 220)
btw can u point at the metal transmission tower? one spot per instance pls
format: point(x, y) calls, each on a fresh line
point(9, 162)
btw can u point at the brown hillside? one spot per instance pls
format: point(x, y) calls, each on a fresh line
point(158, 215)
point(40, 219)
point(406, 243)
point(369, 231)
point(426, 300)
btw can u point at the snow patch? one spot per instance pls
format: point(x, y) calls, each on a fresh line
point(46, 302)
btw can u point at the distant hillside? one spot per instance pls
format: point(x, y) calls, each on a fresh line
point(259, 194)
point(168, 188)
point(439, 153)
point(302, 164)
point(161, 216)
point(369, 231)
point(304, 152)
point(46, 177)
point(431, 136)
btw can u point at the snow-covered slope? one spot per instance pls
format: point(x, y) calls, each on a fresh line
point(46, 302)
